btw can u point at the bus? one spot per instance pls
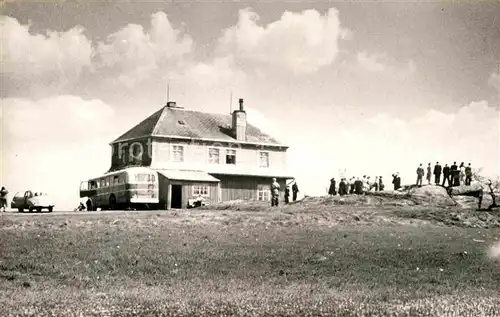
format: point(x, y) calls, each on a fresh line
point(130, 188)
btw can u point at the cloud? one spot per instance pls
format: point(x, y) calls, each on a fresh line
point(371, 62)
point(134, 54)
point(53, 143)
point(301, 42)
point(379, 63)
point(495, 80)
point(384, 144)
point(54, 58)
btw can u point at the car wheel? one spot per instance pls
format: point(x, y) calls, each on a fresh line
point(30, 209)
point(20, 209)
point(39, 209)
point(51, 209)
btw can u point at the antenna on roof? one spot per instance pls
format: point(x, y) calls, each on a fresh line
point(231, 102)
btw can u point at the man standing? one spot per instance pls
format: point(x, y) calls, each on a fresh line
point(287, 194)
point(437, 173)
point(446, 174)
point(3, 198)
point(453, 170)
point(358, 187)
point(380, 184)
point(398, 181)
point(295, 190)
point(275, 193)
point(420, 175)
point(468, 175)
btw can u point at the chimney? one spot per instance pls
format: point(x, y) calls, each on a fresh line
point(173, 104)
point(240, 123)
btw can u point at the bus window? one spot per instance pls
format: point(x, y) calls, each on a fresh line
point(84, 185)
point(116, 180)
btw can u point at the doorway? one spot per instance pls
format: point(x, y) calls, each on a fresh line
point(176, 200)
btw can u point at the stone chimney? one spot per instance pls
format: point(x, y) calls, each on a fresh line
point(240, 123)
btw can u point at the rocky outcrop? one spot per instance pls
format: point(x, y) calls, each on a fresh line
point(431, 195)
point(470, 190)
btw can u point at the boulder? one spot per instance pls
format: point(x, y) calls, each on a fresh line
point(466, 202)
point(470, 190)
point(431, 195)
point(389, 194)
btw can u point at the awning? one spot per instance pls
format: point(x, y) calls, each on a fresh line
point(192, 176)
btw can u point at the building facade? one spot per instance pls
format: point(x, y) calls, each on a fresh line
point(216, 156)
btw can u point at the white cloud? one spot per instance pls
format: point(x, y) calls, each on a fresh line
point(54, 58)
point(371, 62)
point(134, 54)
point(384, 144)
point(302, 42)
point(495, 80)
point(54, 143)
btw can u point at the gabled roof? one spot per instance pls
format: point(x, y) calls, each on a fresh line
point(182, 123)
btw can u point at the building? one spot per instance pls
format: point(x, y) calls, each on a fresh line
point(217, 156)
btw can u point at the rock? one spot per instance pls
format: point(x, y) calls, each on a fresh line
point(471, 190)
point(432, 196)
point(466, 202)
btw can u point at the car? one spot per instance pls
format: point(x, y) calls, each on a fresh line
point(32, 201)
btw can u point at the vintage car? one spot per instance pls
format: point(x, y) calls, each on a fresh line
point(32, 201)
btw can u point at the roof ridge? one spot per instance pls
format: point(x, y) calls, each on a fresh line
point(162, 115)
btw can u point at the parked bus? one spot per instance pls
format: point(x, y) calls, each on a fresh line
point(133, 187)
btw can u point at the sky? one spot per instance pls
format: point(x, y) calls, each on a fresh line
point(354, 88)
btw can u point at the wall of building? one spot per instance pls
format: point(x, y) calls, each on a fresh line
point(187, 191)
point(245, 187)
point(132, 153)
point(196, 156)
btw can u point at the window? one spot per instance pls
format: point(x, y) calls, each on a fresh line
point(213, 156)
point(200, 190)
point(264, 159)
point(124, 154)
point(178, 153)
point(116, 180)
point(264, 192)
point(230, 156)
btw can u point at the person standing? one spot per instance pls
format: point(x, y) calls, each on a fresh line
point(295, 190)
point(275, 193)
point(462, 173)
point(342, 187)
point(380, 184)
point(352, 184)
point(3, 198)
point(428, 175)
point(398, 181)
point(358, 187)
point(332, 190)
point(437, 173)
point(375, 183)
point(420, 175)
point(468, 175)
point(287, 194)
point(446, 174)
point(453, 170)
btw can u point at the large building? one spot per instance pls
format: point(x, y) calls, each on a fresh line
point(217, 156)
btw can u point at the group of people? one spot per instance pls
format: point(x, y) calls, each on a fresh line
point(452, 175)
point(275, 192)
point(355, 185)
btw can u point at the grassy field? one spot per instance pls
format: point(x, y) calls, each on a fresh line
point(242, 263)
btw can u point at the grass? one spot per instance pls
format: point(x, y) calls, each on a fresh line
point(223, 263)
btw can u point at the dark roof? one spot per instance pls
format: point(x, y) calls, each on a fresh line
point(179, 122)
